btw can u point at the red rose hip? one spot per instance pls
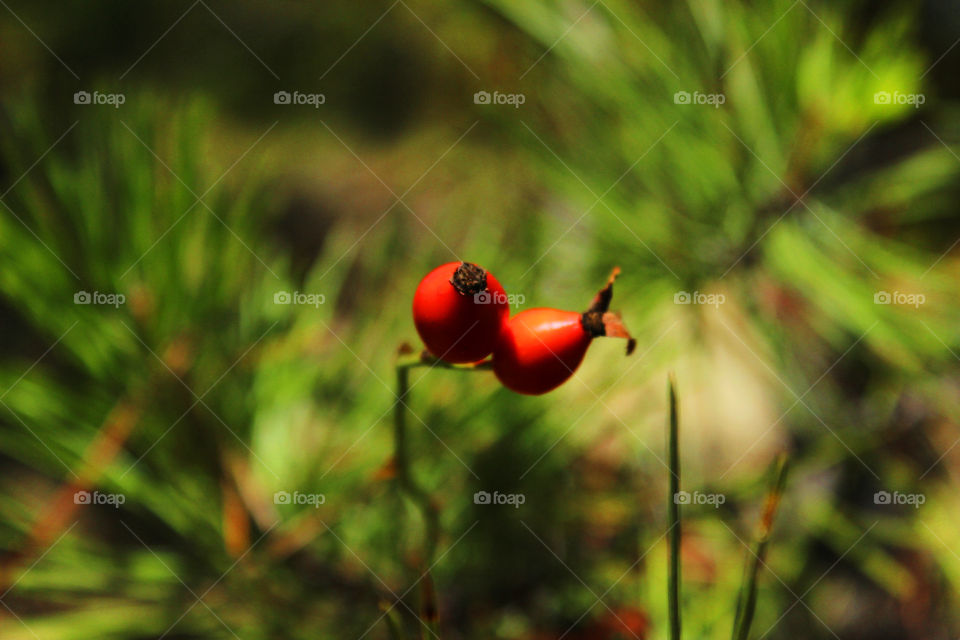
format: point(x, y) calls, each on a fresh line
point(539, 349)
point(458, 310)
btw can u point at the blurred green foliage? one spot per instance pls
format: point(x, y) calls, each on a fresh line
point(798, 199)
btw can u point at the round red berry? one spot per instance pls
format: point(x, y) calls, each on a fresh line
point(459, 309)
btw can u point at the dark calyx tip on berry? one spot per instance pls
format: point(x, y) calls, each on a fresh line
point(592, 322)
point(469, 279)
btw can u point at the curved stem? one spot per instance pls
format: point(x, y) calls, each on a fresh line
point(405, 480)
point(410, 360)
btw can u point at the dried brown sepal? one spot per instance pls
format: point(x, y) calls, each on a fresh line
point(598, 321)
point(608, 325)
point(614, 328)
point(469, 279)
point(601, 301)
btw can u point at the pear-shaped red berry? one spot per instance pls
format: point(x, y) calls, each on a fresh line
point(539, 349)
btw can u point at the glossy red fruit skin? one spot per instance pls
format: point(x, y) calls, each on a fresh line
point(539, 349)
point(457, 327)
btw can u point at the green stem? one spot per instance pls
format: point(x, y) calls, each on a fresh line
point(673, 509)
point(426, 359)
point(747, 598)
point(405, 480)
point(428, 510)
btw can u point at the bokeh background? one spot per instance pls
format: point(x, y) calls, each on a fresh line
point(811, 220)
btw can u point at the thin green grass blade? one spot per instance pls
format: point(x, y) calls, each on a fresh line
point(673, 509)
